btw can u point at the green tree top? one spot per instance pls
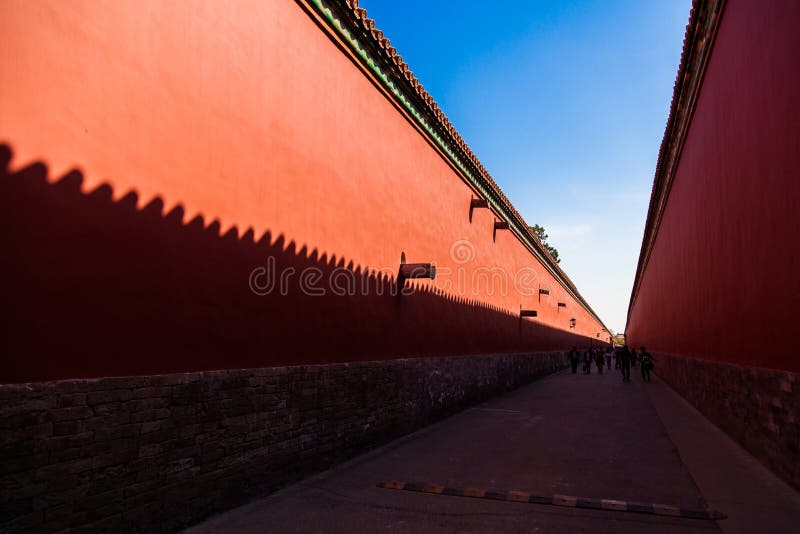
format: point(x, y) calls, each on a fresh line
point(539, 231)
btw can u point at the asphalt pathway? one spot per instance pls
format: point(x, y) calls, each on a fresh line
point(589, 436)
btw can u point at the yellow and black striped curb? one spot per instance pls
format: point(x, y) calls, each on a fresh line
point(557, 500)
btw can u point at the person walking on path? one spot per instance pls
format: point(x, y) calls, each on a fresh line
point(625, 363)
point(587, 362)
point(598, 358)
point(646, 361)
point(608, 358)
point(574, 356)
point(634, 357)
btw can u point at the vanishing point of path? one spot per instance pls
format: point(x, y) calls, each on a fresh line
point(586, 436)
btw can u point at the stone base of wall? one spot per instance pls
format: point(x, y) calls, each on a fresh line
point(156, 453)
point(757, 407)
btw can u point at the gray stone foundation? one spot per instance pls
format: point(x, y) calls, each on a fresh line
point(757, 407)
point(157, 453)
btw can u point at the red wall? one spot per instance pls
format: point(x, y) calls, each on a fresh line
point(203, 138)
point(722, 280)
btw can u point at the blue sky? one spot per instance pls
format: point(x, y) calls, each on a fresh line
point(565, 103)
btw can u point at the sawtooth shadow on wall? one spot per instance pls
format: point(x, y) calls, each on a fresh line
point(98, 287)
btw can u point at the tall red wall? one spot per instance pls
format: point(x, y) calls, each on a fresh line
point(722, 280)
point(159, 152)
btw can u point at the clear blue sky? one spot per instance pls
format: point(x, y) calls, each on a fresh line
point(565, 103)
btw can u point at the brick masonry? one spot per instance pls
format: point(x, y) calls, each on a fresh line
point(157, 453)
point(757, 407)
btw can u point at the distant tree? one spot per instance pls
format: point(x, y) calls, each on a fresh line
point(539, 231)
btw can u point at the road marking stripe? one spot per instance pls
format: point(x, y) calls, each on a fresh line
point(594, 504)
point(518, 496)
point(611, 504)
point(557, 500)
point(474, 492)
point(663, 509)
point(640, 507)
point(432, 488)
point(564, 500)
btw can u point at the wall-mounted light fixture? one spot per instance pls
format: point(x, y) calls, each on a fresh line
point(499, 225)
point(572, 323)
point(527, 313)
point(414, 270)
point(544, 292)
point(477, 203)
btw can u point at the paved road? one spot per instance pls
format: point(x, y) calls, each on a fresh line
point(588, 436)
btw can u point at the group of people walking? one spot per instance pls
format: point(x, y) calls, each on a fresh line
point(624, 358)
